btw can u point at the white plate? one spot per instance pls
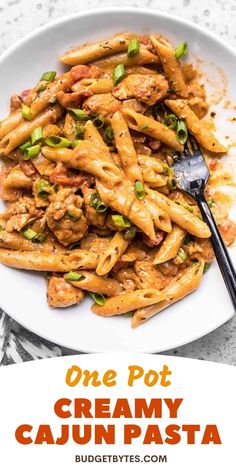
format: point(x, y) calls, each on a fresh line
point(23, 294)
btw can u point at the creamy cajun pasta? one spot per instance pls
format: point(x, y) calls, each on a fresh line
point(87, 178)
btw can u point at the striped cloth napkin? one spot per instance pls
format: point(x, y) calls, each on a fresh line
point(19, 345)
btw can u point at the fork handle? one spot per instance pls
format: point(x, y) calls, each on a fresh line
point(221, 252)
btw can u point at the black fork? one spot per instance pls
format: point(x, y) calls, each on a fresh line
point(192, 174)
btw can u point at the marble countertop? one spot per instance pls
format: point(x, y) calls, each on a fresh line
point(19, 17)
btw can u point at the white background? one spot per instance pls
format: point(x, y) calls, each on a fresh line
point(29, 391)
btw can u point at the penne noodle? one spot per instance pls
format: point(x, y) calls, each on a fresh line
point(70, 127)
point(196, 126)
point(17, 242)
point(151, 170)
point(10, 123)
point(111, 254)
point(17, 179)
point(80, 259)
point(94, 283)
point(92, 134)
point(143, 57)
point(170, 65)
point(179, 215)
point(93, 85)
point(43, 99)
point(153, 128)
point(160, 217)
point(87, 157)
point(187, 283)
point(171, 245)
point(22, 133)
point(121, 198)
point(125, 147)
point(126, 302)
point(92, 51)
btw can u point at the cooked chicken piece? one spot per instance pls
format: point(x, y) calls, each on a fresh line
point(94, 243)
point(128, 279)
point(65, 216)
point(103, 104)
point(149, 275)
point(146, 88)
point(200, 249)
point(92, 216)
point(18, 214)
point(228, 231)
point(62, 294)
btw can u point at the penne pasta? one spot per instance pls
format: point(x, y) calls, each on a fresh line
point(43, 99)
point(187, 283)
point(179, 215)
point(93, 85)
point(170, 65)
point(143, 57)
point(49, 262)
point(86, 156)
point(171, 245)
point(152, 128)
point(92, 51)
point(111, 254)
point(125, 147)
point(128, 302)
point(17, 179)
point(94, 283)
point(160, 217)
point(195, 126)
point(20, 134)
point(10, 123)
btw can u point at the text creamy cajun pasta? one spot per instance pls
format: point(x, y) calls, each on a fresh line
point(88, 183)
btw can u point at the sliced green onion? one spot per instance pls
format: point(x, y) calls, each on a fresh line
point(32, 152)
point(57, 142)
point(80, 131)
point(73, 276)
point(76, 215)
point(118, 73)
point(181, 132)
point(133, 47)
point(98, 298)
point(207, 265)
point(187, 239)
point(128, 314)
point(49, 75)
point(95, 202)
point(26, 113)
point(99, 121)
point(74, 245)
point(25, 146)
point(109, 134)
point(79, 113)
point(101, 207)
point(75, 143)
point(29, 234)
point(36, 135)
point(130, 233)
point(139, 190)
point(211, 202)
point(1, 228)
point(172, 183)
point(41, 88)
point(181, 50)
point(189, 208)
point(53, 99)
point(170, 121)
point(40, 238)
point(181, 256)
point(121, 222)
point(43, 188)
point(143, 127)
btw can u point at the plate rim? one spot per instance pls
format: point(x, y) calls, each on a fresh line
point(90, 13)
